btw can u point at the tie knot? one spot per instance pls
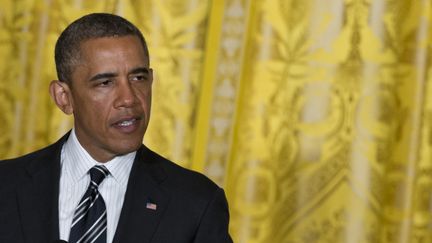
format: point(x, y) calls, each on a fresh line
point(98, 174)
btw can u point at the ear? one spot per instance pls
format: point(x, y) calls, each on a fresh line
point(60, 93)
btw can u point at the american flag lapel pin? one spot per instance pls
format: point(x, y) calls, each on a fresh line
point(151, 206)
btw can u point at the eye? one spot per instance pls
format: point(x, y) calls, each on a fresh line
point(139, 78)
point(105, 82)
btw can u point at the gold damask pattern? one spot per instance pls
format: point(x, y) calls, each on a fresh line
point(225, 89)
point(176, 33)
point(314, 115)
point(328, 135)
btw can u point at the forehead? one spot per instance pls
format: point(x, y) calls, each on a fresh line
point(112, 47)
point(114, 55)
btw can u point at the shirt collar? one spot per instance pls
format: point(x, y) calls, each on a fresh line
point(77, 162)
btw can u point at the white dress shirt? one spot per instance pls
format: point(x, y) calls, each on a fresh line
point(74, 180)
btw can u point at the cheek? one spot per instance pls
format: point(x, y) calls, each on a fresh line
point(101, 107)
point(91, 107)
point(145, 98)
point(96, 108)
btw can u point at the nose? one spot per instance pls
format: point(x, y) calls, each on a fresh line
point(125, 95)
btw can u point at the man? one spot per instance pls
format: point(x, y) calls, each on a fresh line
point(99, 183)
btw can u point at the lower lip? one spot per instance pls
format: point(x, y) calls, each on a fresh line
point(129, 128)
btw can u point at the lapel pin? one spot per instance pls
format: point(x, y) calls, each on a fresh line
point(151, 206)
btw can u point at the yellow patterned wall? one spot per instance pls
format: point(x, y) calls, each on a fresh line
point(314, 115)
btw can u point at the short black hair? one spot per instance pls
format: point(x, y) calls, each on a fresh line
point(91, 26)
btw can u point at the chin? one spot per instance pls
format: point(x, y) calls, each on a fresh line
point(127, 148)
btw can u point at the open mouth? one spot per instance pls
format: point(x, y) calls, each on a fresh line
point(126, 123)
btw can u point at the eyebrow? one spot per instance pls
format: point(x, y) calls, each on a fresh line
point(99, 76)
point(140, 70)
point(103, 76)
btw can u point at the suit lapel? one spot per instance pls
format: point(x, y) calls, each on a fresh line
point(145, 200)
point(38, 196)
point(143, 207)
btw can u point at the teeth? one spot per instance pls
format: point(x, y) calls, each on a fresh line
point(126, 123)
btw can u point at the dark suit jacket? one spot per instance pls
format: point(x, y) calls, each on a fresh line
point(190, 208)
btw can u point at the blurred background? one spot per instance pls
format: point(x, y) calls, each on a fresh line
point(314, 115)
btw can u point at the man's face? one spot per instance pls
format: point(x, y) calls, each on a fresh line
point(110, 96)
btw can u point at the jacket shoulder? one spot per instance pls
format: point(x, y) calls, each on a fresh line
point(13, 169)
point(183, 180)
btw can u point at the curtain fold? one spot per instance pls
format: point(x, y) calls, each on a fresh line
point(315, 116)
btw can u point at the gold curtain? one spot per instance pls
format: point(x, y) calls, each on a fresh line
point(314, 115)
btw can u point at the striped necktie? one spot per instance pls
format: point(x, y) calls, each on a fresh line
point(89, 223)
